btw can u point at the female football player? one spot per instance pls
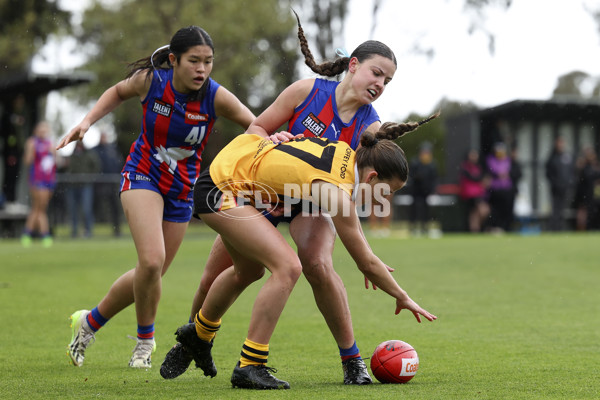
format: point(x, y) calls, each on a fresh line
point(180, 104)
point(40, 157)
point(334, 176)
point(327, 109)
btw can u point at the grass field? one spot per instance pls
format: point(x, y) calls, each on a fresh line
point(519, 318)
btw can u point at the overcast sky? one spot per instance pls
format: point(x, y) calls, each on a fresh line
point(536, 42)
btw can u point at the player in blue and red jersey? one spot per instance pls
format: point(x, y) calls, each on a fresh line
point(318, 114)
point(180, 104)
point(40, 157)
point(334, 110)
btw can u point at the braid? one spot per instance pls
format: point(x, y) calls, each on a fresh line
point(393, 130)
point(330, 68)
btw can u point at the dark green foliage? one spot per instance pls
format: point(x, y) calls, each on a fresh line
point(25, 26)
point(255, 50)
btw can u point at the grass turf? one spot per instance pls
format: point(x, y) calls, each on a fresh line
point(519, 318)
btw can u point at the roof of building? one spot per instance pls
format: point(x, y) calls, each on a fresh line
point(34, 84)
point(559, 108)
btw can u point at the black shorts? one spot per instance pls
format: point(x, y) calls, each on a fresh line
point(209, 199)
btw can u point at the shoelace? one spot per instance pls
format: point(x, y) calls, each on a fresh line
point(145, 347)
point(354, 364)
point(85, 339)
point(267, 370)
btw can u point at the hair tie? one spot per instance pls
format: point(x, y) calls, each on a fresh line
point(375, 141)
point(166, 46)
point(342, 52)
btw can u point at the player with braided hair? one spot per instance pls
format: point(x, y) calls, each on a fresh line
point(394, 130)
point(335, 175)
point(340, 111)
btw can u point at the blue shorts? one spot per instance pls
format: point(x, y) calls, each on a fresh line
point(175, 210)
point(49, 185)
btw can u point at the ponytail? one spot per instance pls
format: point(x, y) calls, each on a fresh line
point(379, 151)
point(393, 130)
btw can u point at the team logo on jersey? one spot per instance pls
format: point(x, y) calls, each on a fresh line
point(194, 118)
point(162, 108)
point(312, 123)
point(172, 155)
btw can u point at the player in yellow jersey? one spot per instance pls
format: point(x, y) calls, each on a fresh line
point(229, 198)
point(337, 109)
point(253, 167)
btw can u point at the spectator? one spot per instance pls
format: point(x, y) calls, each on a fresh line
point(380, 225)
point(14, 127)
point(559, 171)
point(81, 166)
point(40, 158)
point(107, 188)
point(587, 190)
point(423, 174)
point(500, 190)
point(472, 191)
point(516, 173)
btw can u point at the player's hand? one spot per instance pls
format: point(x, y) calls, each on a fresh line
point(283, 136)
point(74, 134)
point(408, 304)
point(275, 210)
point(390, 269)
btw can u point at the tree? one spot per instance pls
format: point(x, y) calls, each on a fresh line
point(327, 19)
point(432, 132)
point(571, 84)
point(579, 83)
point(25, 26)
point(255, 49)
point(478, 21)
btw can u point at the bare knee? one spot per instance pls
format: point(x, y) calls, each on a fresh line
point(246, 278)
point(289, 271)
point(317, 269)
point(205, 284)
point(217, 263)
point(151, 264)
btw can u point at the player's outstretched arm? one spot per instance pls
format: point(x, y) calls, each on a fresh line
point(412, 306)
point(347, 226)
point(138, 84)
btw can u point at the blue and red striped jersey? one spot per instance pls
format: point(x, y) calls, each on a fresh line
point(43, 168)
point(173, 135)
point(318, 116)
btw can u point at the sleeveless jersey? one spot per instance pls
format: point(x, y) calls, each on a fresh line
point(318, 116)
point(173, 135)
point(43, 168)
point(251, 163)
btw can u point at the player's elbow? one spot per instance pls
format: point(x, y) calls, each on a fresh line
point(367, 266)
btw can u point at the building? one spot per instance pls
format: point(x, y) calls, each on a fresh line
point(530, 127)
point(22, 97)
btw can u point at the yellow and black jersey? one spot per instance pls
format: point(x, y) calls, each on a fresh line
point(253, 164)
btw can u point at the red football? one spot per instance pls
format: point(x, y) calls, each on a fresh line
point(394, 361)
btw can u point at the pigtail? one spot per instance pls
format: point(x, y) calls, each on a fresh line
point(393, 130)
point(330, 68)
point(148, 64)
